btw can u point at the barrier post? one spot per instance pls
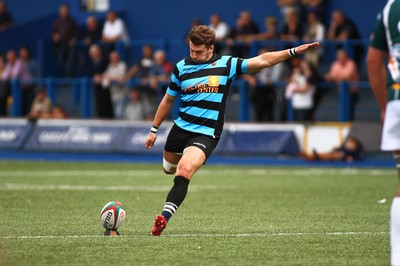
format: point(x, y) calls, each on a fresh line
point(50, 90)
point(75, 92)
point(243, 102)
point(344, 102)
point(289, 110)
point(120, 48)
point(40, 55)
point(86, 99)
point(254, 48)
point(16, 98)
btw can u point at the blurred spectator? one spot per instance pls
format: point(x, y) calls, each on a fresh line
point(57, 112)
point(349, 151)
point(25, 56)
point(141, 69)
point(6, 19)
point(114, 30)
point(264, 90)
point(41, 106)
point(318, 7)
point(300, 90)
point(95, 67)
point(2, 64)
point(287, 6)
point(194, 22)
point(314, 31)
point(270, 33)
point(16, 68)
point(345, 69)
point(341, 28)
point(292, 28)
point(160, 72)
point(64, 36)
point(28, 89)
point(141, 72)
point(93, 31)
point(135, 109)
point(113, 81)
point(244, 27)
point(220, 27)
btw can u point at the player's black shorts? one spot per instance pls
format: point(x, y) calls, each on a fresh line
point(179, 139)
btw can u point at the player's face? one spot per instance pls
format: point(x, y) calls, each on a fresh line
point(200, 53)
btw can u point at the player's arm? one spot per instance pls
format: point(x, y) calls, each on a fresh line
point(162, 111)
point(377, 75)
point(269, 59)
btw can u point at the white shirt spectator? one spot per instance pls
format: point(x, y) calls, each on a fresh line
point(115, 29)
point(300, 100)
point(113, 80)
point(220, 28)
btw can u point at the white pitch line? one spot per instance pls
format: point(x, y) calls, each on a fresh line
point(210, 235)
point(280, 234)
point(236, 172)
point(42, 187)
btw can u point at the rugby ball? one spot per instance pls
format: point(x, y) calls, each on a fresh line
point(112, 215)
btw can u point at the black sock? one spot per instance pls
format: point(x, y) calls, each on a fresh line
point(175, 196)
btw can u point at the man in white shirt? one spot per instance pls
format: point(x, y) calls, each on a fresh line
point(114, 30)
point(220, 28)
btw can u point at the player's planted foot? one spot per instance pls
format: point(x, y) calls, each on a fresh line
point(159, 225)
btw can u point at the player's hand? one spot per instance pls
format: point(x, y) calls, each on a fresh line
point(304, 47)
point(151, 138)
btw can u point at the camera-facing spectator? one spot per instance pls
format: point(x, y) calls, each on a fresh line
point(93, 31)
point(6, 19)
point(344, 69)
point(342, 28)
point(114, 30)
point(95, 68)
point(113, 80)
point(41, 106)
point(64, 37)
point(16, 69)
point(350, 150)
point(136, 109)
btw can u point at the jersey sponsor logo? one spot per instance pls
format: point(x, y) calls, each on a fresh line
point(202, 88)
point(200, 144)
point(396, 86)
point(213, 81)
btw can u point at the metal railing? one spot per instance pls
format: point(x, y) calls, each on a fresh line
point(82, 94)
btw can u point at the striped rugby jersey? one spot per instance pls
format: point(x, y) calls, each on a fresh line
point(386, 37)
point(204, 90)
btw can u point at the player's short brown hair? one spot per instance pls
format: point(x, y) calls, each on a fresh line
point(202, 34)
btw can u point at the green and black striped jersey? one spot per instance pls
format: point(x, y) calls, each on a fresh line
point(386, 37)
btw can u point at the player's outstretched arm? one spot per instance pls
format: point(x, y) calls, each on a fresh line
point(376, 68)
point(269, 59)
point(162, 111)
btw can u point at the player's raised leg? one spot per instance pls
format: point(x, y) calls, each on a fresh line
point(192, 159)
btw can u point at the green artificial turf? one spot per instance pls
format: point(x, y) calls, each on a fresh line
point(233, 215)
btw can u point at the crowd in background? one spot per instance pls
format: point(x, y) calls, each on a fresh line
point(299, 21)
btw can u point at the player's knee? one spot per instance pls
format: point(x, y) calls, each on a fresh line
point(169, 168)
point(185, 170)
